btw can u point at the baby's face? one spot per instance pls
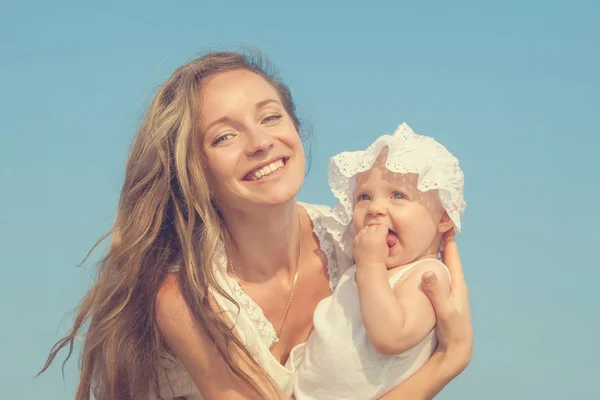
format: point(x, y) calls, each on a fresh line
point(415, 219)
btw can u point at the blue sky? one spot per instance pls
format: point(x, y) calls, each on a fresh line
point(511, 88)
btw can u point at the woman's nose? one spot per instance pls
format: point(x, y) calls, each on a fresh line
point(258, 142)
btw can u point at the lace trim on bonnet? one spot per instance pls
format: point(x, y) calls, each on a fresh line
point(408, 153)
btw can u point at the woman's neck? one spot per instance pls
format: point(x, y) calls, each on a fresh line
point(264, 243)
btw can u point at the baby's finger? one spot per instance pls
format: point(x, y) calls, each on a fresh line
point(364, 230)
point(359, 237)
point(382, 230)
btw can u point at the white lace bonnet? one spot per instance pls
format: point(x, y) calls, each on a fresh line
point(408, 153)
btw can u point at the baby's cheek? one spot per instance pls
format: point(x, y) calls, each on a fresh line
point(357, 220)
point(433, 217)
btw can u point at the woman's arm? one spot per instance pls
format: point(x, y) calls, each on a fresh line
point(428, 381)
point(454, 331)
point(192, 346)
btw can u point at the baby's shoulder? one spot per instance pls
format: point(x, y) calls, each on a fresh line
point(413, 276)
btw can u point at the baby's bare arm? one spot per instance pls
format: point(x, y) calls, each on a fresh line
point(382, 317)
point(398, 319)
point(419, 315)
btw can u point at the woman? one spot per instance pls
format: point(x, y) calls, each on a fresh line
point(214, 270)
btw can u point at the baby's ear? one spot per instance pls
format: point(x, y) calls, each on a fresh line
point(445, 223)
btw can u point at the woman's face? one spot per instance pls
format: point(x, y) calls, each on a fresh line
point(253, 150)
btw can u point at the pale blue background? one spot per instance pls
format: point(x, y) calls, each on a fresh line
point(510, 87)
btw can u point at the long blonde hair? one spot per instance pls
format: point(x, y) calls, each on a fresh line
point(165, 217)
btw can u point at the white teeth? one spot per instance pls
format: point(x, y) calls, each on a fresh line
point(267, 169)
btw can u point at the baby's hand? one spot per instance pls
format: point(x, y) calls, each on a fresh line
point(370, 247)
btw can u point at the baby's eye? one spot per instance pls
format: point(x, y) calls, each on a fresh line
point(363, 197)
point(397, 196)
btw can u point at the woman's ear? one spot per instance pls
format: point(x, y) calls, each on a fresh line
point(445, 223)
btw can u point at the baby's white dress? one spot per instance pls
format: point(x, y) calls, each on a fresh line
point(340, 362)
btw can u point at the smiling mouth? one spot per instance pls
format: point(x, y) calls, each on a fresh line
point(267, 170)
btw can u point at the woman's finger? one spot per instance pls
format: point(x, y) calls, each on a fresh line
point(451, 258)
point(440, 302)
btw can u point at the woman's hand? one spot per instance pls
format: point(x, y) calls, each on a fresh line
point(453, 325)
point(454, 331)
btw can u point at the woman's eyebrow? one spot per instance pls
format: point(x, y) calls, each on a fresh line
point(217, 121)
point(263, 103)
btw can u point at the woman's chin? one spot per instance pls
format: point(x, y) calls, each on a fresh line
point(277, 193)
point(273, 198)
point(268, 197)
point(272, 192)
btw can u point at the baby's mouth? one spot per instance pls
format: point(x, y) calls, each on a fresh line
point(391, 239)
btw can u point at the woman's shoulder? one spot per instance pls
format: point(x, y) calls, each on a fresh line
point(318, 215)
point(337, 261)
point(317, 209)
point(170, 303)
point(168, 290)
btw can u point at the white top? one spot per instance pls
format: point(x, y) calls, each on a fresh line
point(340, 362)
point(253, 328)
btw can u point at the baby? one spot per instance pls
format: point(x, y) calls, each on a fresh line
point(397, 199)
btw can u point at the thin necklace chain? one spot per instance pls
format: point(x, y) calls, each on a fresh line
point(289, 302)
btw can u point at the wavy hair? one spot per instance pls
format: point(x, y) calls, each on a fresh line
point(164, 217)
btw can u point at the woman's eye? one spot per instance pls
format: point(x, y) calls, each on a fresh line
point(363, 197)
point(271, 118)
point(398, 196)
point(222, 138)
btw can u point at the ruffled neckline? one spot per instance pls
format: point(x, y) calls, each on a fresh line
point(263, 325)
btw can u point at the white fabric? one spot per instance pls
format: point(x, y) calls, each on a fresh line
point(340, 361)
point(251, 324)
point(408, 152)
